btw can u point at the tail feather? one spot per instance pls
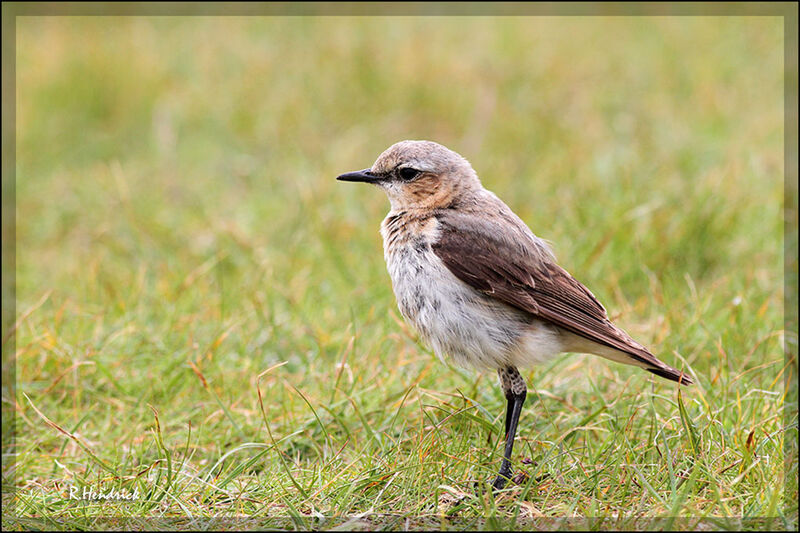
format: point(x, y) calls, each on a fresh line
point(636, 355)
point(671, 374)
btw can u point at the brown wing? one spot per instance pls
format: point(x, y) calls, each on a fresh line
point(503, 260)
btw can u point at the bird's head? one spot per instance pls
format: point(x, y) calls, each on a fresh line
point(420, 175)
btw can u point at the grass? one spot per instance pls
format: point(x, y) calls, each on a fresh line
point(204, 315)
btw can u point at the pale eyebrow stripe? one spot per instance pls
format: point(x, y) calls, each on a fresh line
point(416, 165)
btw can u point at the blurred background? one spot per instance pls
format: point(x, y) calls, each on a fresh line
point(180, 229)
point(147, 145)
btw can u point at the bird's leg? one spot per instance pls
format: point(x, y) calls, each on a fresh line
point(515, 392)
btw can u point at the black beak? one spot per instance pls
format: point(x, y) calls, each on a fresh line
point(359, 175)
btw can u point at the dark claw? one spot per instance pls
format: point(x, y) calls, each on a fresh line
point(499, 483)
point(503, 477)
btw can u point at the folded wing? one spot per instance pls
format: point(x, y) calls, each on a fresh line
point(501, 259)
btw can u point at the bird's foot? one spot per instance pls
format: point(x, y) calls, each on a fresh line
point(499, 483)
point(521, 478)
point(502, 478)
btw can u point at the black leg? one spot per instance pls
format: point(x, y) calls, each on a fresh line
point(515, 402)
point(509, 410)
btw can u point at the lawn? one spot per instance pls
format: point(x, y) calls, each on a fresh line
point(204, 316)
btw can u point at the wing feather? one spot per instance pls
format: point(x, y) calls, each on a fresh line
point(505, 260)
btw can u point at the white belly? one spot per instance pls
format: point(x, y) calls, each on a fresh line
point(458, 321)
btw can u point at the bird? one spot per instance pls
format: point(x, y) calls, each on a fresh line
point(476, 283)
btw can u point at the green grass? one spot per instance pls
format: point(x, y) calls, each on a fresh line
point(205, 314)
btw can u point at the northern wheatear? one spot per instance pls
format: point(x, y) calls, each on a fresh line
point(477, 284)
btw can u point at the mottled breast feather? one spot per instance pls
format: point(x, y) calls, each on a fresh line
point(499, 256)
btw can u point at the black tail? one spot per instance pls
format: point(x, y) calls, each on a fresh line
point(671, 374)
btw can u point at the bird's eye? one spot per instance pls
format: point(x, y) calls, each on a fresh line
point(407, 173)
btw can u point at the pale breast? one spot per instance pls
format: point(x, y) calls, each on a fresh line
point(453, 318)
